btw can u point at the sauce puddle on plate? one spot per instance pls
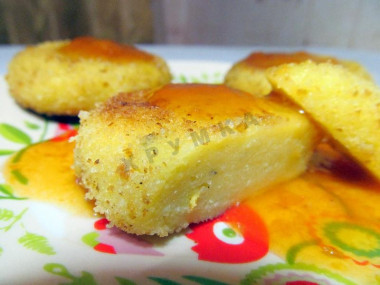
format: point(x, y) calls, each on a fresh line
point(329, 217)
point(43, 172)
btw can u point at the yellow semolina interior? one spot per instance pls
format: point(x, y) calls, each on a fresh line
point(185, 153)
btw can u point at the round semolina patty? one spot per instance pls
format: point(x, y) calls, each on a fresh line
point(65, 77)
point(249, 74)
point(158, 160)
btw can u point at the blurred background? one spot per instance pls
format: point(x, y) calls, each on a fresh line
point(353, 24)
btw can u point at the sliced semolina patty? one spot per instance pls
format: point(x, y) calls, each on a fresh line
point(345, 105)
point(64, 77)
point(157, 161)
point(249, 75)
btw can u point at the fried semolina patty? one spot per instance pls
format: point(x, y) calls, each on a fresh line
point(249, 75)
point(64, 77)
point(346, 106)
point(156, 161)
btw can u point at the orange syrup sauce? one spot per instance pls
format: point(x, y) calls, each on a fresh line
point(329, 217)
point(88, 47)
point(43, 172)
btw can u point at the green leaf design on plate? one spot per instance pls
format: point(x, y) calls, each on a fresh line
point(8, 193)
point(19, 176)
point(6, 189)
point(194, 79)
point(90, 239)
point(164, 281)
point(14, 134)
point(37, 243)
point(6, 151)
point(61, 270)
point(182, 78)
point(1, 250)
point(204, 78)
point(124, 281)
point(17, 157)
point(6, 215)
point(293, 251)
point(31, 125)
point(203, 280)
point(256, 275)
point(44, 131)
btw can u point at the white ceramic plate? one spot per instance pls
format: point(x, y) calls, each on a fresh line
point(41, 244)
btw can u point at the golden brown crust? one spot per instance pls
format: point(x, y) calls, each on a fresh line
point(51, 80)
point(194, 102)
point(184, 153)
point(263, 61)
point(249, 75)
point(88, 47)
